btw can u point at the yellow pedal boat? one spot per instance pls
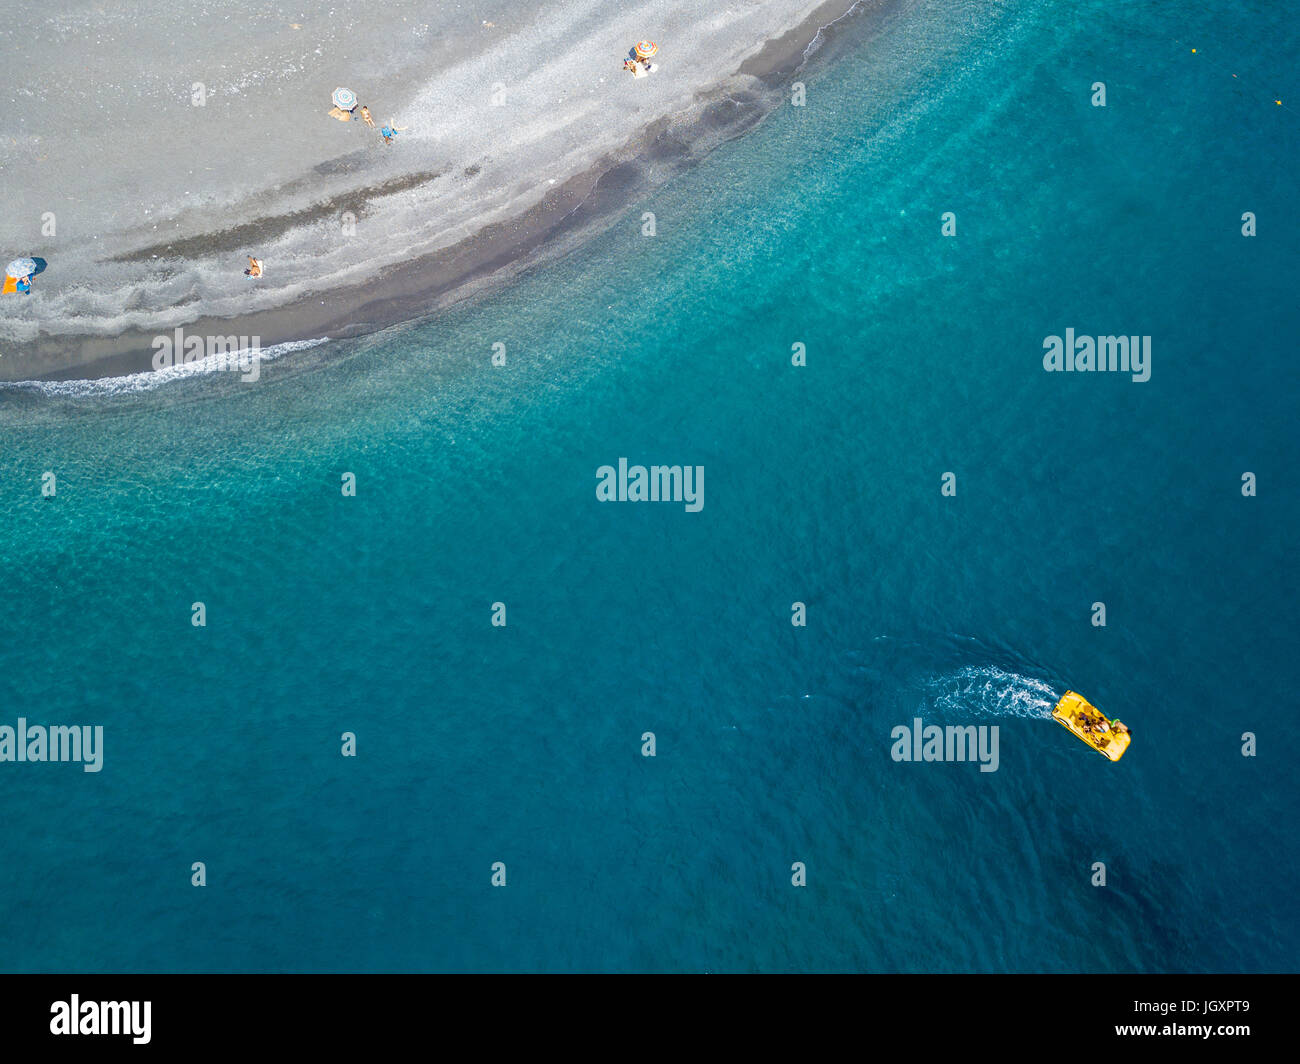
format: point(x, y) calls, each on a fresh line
point(1108, 737)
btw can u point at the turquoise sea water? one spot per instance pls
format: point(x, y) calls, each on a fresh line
point(476, 484)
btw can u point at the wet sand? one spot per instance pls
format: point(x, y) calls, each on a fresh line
point(570, 213)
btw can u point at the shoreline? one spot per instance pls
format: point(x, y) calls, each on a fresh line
point(568, 215)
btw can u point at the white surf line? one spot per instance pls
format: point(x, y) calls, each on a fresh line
point(148, 380)
point(819, 36)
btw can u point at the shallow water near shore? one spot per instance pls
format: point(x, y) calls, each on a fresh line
point(476, 484)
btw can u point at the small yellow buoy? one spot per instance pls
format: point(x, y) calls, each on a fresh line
point(1193, 51)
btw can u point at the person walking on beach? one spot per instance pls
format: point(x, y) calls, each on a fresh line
point(390, 131)
point(254, 267)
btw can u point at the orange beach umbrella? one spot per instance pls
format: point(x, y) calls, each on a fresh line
point(645, 49)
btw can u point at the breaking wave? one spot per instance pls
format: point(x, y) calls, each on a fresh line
point(135, 383)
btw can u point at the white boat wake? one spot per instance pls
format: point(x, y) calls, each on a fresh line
point(987, 691)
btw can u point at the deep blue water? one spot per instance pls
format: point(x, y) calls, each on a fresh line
point(476, 484)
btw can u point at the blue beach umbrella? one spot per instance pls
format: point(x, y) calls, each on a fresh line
point(21, 268)
point(345, 99)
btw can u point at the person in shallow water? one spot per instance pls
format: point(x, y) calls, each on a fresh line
point(254, 267)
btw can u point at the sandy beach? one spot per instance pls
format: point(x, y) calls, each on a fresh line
point(434, 218)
